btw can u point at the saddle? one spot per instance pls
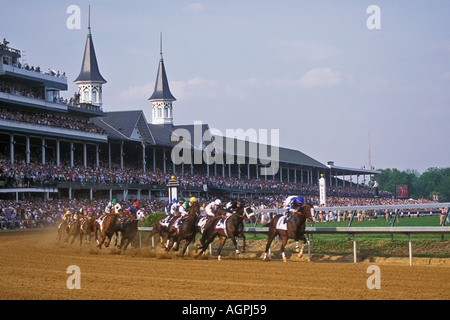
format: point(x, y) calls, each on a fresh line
point(222, 224)
point(282, 223)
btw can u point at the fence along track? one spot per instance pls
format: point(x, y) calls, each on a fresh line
point(356, 230)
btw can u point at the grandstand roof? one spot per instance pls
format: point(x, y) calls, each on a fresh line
point(254, 150)
point(126, 125)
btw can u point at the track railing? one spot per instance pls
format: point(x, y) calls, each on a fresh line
point(354, 230)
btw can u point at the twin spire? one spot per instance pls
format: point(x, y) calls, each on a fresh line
point(162, 91)
point(90, 82)
point(89, 67)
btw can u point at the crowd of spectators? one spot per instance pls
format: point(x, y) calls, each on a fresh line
point(37, 174)
point(37, 213)
point(50, 120)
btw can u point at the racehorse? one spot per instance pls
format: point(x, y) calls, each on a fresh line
point(62, 229)
point(162, 230)
point(86, 229)
point(127, 229)
point(73, 229)
point(233, 228)
point(295, 229)
point(186, 230)
point(107, 228)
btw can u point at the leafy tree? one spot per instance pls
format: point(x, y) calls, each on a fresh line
point(425, 185)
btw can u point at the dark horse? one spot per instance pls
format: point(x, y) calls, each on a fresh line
point(233, 228)
point(186, 230)
point(162, 230)
point(127, 228)
point(86, 229)
point(295, 229)
point(107, 229)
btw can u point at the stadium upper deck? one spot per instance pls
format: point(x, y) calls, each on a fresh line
point(38, 129)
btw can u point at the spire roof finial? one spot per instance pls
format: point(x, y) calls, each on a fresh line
point(89, 21)
point(160, 46)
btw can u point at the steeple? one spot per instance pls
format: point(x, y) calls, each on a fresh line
point(90, 80)
point(162, 97)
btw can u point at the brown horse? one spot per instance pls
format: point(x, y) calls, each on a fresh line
point(107, 229)
point(73, 228)
point(62, 230)
point(163, 229)
point(127, 229)
point(233, 228)
point(86, 229)
point(186, 230)
point(295, 229)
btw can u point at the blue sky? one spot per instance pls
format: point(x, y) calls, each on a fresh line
point(311, 69)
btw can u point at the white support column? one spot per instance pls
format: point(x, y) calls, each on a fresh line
point(28, 152)
point(43, 150)
point(121, 155)
point(71, 154)
point(11, 144)
point(58, 155)
point(85, 154)
point(97, 155)
point(143, 157)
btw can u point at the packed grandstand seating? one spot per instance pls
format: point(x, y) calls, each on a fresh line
point(49, 120)
point(37, 174)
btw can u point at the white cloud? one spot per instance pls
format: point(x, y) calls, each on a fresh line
point(320, 77)
point(195, 7)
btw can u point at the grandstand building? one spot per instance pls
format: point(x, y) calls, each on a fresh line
point(54, 147)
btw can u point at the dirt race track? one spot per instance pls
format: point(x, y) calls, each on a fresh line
point(33, 266)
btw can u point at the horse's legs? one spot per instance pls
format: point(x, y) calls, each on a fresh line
point(236, 244)
point(102, 240)
point(243, 245)
point(283, 245)
point(302, 237)
point(188, 242)
point(222, 242)
point(270, 236)
point(206, 240)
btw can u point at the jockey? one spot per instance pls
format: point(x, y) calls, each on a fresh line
point(172, 210)
point(293, 204)
point(185, 207)
point(110, 206)
point(211, 209)
point(67, 216)
point(134, 208)
point(231, 207)
point(167, 209)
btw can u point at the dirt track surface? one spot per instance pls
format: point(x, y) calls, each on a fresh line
point(34, 266)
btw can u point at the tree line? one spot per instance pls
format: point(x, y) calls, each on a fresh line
point(434, 182)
